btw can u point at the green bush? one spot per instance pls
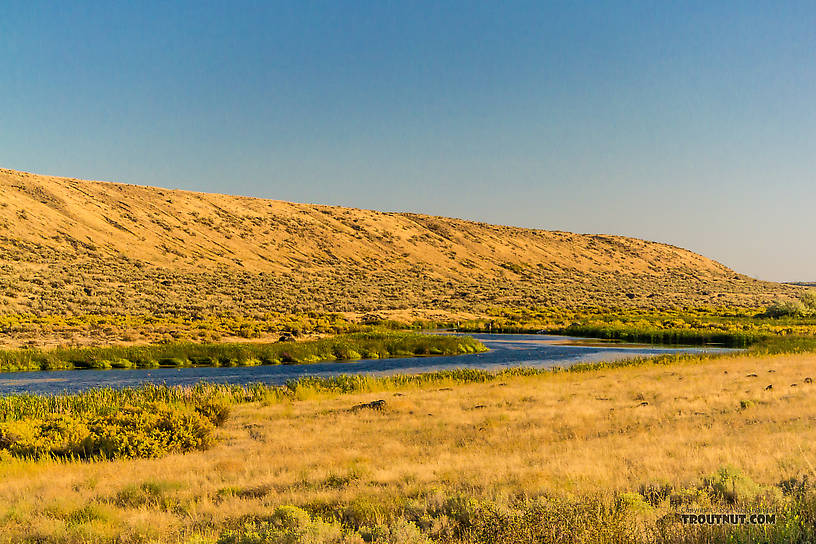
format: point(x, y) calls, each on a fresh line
point(804, 307)
point(173, 361)
point(131, 431)
point(215, 410)
point(552, 520)
point(399, 532)
point(287, 525)
point(730, 485)
point(56, 435)
point(788, 308)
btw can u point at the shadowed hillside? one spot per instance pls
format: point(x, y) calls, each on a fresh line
point(72, 246)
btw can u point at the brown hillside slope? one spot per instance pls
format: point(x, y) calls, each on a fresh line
point(72, 246)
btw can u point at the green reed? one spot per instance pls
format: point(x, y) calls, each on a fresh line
point(337, 348)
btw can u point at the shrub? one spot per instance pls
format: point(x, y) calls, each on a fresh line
point(732, 486)
point(552, 520)
point(809, 300)
point(132, 431)
point(787, 308)
point(287, 525)
point(634, 502)
point(399, 532)
point(172, 361)
point(216, 411)
point(55, 435)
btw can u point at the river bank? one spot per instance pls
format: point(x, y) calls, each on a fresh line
point(600, 455)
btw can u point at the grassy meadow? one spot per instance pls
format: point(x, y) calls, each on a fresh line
point(600, 453)
point(594, 453)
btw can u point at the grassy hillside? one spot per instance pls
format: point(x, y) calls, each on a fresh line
point(69, 246)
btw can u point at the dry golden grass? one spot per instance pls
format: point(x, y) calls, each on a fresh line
point(568, 434)
point(73, 246)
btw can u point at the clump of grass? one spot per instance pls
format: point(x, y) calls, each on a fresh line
point(151, 493)
point(212, 400)
point(732, 339)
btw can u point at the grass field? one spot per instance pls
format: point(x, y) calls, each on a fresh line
point(604, 455)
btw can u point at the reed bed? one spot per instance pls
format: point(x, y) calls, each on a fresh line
point(727, 326)
point(337, 348)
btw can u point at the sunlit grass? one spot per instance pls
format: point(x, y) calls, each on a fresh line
point(599, 453)
point(374, 345)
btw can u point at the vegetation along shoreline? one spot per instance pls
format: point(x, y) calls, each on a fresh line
point(348, 347)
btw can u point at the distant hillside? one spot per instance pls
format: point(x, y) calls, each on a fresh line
point(72, 246)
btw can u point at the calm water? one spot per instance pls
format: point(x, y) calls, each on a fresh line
point(506, 350)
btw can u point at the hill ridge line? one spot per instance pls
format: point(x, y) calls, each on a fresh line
point(273, 254)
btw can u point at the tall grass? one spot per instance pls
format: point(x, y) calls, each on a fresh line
point(337, 348)
point(731, 339)
point(624, 518)
point(108, 400)
point(730, 327)
point(513, 460)
point(105, 400)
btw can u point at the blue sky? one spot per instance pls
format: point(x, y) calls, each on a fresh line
point(690, 123)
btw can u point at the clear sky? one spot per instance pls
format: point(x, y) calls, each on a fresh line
point(692, 123)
